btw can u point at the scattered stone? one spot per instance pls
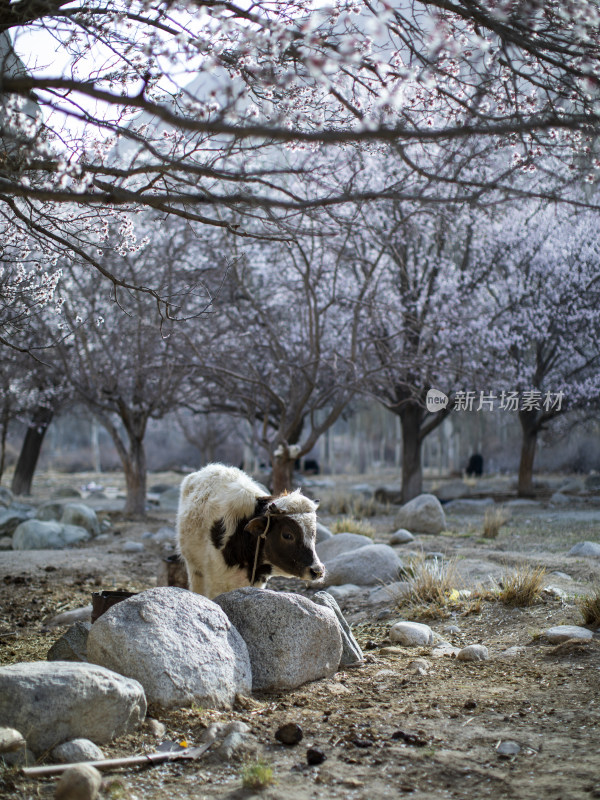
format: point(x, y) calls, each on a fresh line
point(164, 534)
point(562, 575)
point(370, 565)
point(422, 514)
point(82, 782)
point(155, 727)
point(10, 740)
point(344, 591)
point(452, 629)
point(473, 652)
point(411, 634)
point(390, 593)
point(555, 592)
point(59, 700)
point(67, 491)
point(23, 757)
point(522, 502)
point(315, 756)
point(561, 633)
point(81, 515)
point(132, 547)
point(410, 738)
point(10, 519)
point(560, 499)
point(445, 651)
point(169, 500)
point(323, 533)
point(401, 536)
point(290, 639)
point(508, 748)
point(420, 666)
point(83, 614)
point(179, 645)
point(470, 705)
point(221, 730)
point(290, 734)
point(35, 534)
point(341, 543)
point(512, 652)
point(236, 745)
point(72, 645)
point(351, 652)
point(77, 750)
point(585, 549)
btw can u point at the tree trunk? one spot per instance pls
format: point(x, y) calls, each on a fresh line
point(281, 479)
point(3, 433)
point(412, 470)
point(529, 429)
point(30, 452)
point(136, 475)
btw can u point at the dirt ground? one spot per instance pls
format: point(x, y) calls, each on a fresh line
point(390, 727)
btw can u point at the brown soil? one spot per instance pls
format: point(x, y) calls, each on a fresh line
point(389, 727)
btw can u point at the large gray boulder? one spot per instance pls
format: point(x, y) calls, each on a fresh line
point(290, 639)
point(422, 514)
point(35, 534)
point(341, 543)
point(351, 652)
point(179, 645)
point(365, 566)
point(50, 511)
point(51, 702)
point(81, 515)
point(585, 549)
point(10, 519)
point(72, 645)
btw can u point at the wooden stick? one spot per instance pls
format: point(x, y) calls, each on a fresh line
point(114, 763)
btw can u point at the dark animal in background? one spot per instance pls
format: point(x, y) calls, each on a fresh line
point(230, 534)
point(475, 466)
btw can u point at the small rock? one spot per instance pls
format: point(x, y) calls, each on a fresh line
point(290, 733)
point(367, 566)
point(81, 515)
point(132, 547)
point(401, 536)
point(77, 750)
point(470, 705)
point(67, 491)
point(419, 666)
point(10, 740)
point(473, 652)
point(23, 757)
point(72, 645)
point(10, 519)
point(508, 748)
point(555, 592)
point(411, 634)
point(315, 756)
point(344, 591)
point(422, 514)
point(559, 499)
point(391, 592)
point(452, 629)
point(591, 549)
point(35, 534)
point(234, 745)
point(83, 614)
point(79, 783)
point(512, 652)
point(560, 633)
point(155, 727)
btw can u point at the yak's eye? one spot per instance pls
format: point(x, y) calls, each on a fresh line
point(287, 536)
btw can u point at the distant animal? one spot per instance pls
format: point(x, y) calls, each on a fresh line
point(230, 534)
point(475, 465)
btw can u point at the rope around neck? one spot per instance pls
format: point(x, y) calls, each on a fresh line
point(262, 536)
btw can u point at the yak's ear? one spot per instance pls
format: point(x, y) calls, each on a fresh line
point(256, 526)
point(273, 510)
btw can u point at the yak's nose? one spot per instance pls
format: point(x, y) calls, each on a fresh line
point(317, 571)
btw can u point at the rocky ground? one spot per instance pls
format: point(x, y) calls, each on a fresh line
point(521, 724)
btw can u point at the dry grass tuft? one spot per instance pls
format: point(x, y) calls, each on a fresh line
point(589, 605)
point(352, 525)
point(522, 586)
point(495, 517)
point(352, 505)
point(257, 775)
point(433, 582)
